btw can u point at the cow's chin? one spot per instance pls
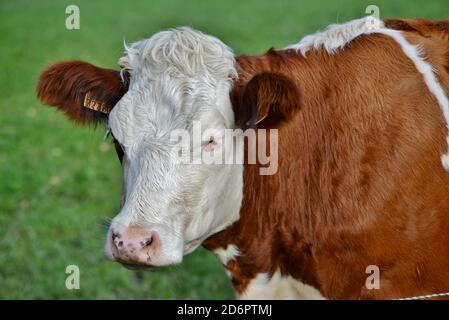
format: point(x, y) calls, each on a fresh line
point(164, 261)
point(191, 246)
point(155, 264)
point(136, 267)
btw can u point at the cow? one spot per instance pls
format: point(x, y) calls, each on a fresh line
point(361, 186)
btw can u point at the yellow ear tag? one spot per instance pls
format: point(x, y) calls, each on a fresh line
point(93, 104)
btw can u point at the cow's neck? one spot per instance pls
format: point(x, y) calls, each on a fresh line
point(259, 244)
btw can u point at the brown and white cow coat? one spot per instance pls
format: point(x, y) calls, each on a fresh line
point(362, 150)
point(366, 135)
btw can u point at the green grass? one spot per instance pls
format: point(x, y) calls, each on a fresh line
point(59, 183)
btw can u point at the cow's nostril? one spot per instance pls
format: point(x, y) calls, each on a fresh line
point(146, 242)
point(115, 235)
point(133, 246)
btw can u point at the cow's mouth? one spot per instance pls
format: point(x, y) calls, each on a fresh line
point(139, 267)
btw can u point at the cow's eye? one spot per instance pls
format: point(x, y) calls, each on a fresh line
point(118, 147)
point(119, 150)
point(211, 140)
point(113, 140)
point(107, 134)
point(211, 143)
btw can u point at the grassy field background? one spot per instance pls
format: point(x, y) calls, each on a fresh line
point(59, 183)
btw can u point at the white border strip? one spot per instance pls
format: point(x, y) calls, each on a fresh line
point(336, 37)
point(415, 53)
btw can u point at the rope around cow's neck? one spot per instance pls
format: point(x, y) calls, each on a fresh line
point(428, 296)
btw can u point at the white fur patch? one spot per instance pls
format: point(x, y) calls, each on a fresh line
point(177, 77)
point(227, 254)
point(336, 37)
point(278, 287)
point(415, 53)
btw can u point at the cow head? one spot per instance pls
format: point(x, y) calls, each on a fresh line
point(168, 82)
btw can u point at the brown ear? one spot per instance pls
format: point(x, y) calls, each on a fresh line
point(84, 92)
point(266, 100)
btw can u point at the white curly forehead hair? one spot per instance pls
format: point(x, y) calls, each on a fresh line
point(177, 77)
point(179, 65)
point(180, 52)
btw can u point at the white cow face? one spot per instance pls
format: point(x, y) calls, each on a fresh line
point(177, 78)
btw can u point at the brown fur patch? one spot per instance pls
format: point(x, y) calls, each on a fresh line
point(360, 180)
point(65, 85)
point(267, 97)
